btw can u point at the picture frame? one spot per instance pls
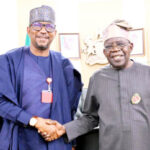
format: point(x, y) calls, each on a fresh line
point(69, 45)
point(137, 38)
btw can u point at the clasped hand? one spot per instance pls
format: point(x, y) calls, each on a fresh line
point(49, 129)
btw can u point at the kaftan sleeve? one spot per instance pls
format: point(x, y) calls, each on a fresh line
point(9, 107)
point(90, 118)
point(12, 112)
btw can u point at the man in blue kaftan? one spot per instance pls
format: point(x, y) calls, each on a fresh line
point(36, 85)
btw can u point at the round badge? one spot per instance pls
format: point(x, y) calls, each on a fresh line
point(135, 98)
point(49, 80)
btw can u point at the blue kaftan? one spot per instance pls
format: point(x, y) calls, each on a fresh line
point(16, 71)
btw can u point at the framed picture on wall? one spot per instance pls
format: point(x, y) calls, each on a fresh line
point(69, 45)
point(137, 37)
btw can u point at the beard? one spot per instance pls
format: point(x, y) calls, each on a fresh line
point(42, 47)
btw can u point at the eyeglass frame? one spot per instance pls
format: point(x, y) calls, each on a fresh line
point(121, 46)
point(43, 25)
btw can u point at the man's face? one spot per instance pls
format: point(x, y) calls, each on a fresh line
point(117, 51)
point(41, 35)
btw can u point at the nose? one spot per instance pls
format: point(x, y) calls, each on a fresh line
point(115, 48)
point(43, 30)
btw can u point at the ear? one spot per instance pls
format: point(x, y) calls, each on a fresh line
point(131, 47)
point(105, 52)
point(55, 32)
point(28, 31)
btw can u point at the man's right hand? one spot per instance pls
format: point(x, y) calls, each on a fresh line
point(60, 130)
point(54, 131)
point(45, 129)
point(49, 129)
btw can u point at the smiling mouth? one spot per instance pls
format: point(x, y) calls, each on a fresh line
point(117, 57)
point(41, 37)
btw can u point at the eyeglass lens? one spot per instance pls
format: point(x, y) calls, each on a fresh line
point(38, 26)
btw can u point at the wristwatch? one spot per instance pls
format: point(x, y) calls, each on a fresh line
point(33, 121)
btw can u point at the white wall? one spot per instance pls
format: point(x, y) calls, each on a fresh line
point(8, 25)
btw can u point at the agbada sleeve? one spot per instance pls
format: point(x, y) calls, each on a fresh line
point(90, 118)
point(74, 84)
point(10, 111)
point(9, 107)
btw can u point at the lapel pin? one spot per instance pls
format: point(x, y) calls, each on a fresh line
point(136, 98)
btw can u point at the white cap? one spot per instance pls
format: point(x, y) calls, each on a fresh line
point(118, 28)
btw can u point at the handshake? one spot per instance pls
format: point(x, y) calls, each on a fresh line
point(49, 129)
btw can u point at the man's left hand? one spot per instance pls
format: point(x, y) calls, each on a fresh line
point(73, 148)
point(58, 129)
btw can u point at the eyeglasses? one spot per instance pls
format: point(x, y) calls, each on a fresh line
point(118, 45)
point(38, 26)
